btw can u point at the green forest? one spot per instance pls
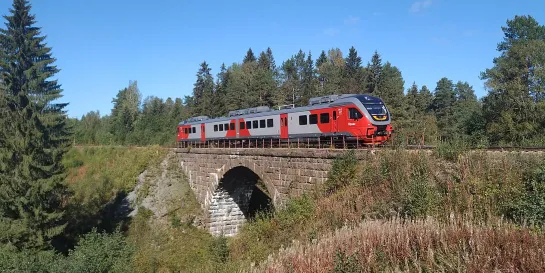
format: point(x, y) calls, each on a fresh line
point(57, 198)
point(511, 113)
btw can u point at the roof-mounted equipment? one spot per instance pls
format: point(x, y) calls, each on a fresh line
point(254, 110)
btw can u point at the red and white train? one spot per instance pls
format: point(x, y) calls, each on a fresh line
point(353, 117)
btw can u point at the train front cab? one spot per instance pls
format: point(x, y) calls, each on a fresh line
point(376, 130)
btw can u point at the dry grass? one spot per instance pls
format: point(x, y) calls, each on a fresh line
point(477, 188)
point(393, 246)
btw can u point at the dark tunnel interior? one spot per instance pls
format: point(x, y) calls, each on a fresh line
point(243, 178)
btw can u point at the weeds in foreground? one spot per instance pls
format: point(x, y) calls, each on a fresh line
point(416, 246)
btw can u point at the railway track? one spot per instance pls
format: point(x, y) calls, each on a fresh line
point(268, 144)
point(324, 146)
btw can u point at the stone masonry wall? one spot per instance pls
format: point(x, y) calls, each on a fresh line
point(226, 211)
point(285, 173)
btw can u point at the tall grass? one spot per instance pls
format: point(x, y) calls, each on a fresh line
point(415, 246)
point(474, 188)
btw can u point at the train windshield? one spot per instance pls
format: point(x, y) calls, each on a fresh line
point(376, 109)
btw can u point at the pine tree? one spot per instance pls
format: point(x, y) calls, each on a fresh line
point(514, 108)
point(424, 100)
point(34, 136)
point(375, 72)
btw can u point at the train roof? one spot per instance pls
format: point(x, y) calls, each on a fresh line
point(314, 103)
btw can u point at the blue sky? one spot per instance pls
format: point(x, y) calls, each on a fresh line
point(101, 45)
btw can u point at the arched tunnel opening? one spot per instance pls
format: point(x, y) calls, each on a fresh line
point(240, 196)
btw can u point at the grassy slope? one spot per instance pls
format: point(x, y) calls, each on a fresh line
point(476, 190)
point(98, 177)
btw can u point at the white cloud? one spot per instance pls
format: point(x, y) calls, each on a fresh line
point(331, 31)
point(352, 20)
point(420, 5)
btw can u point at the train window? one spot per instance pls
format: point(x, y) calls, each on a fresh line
point(185, 130)
point(262, 123)
point(324, 118)
point(334, 115)
point(194, 130)
point(241, 125)
point(270, 123)
point(226, 126)
point(255, 124)
point(232, 127)
point(221, 127)
point(303, 120)
point(354, 113)
point(286, 122)
point(313, 119)
point(215, 127)
point(248, 125)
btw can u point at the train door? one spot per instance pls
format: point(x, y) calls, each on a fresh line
point(334, 117)
point(203, 136)
point(284, 126)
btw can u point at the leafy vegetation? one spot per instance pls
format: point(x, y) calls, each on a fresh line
point(450, 210)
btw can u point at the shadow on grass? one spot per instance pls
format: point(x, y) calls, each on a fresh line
point(82, 219)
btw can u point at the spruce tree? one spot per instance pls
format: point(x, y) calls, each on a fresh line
point(443, 106)
point(322, 59)
point(412, 102)
point(34, 136)
point(375, 72)
point(353, 63)
point(202, 91)
point(272, 63)
point(250, 57)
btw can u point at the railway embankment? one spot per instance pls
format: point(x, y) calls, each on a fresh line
point(384, 211)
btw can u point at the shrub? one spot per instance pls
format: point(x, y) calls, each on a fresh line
point(530, 207)
point(100, 252)
point(343, 172)
point(346, 263)
point(452, 149)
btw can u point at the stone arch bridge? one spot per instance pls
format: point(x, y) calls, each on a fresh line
point(232, 184)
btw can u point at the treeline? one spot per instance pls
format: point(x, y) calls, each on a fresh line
point(512, 113)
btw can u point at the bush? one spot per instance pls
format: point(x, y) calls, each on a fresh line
point(100, 252)
point(452, 149)
point(529, 209)
point(12, 260)
point(346, 263)
point(343, 172)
